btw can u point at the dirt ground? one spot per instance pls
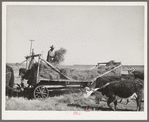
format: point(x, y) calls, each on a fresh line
point(70, 100)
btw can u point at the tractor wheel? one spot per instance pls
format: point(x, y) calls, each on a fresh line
point(41, 92)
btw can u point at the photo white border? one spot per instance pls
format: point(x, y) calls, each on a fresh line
point(68, 115)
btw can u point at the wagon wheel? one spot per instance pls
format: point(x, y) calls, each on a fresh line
point(41, 92)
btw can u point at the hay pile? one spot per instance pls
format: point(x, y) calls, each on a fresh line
point(47, 72)
point(77, 74)
point(59, 56)
point(113, 63)
point(57, 103)
point(77, 99)
point(84, 75)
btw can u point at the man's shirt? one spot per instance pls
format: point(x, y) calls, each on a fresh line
point(51, 53)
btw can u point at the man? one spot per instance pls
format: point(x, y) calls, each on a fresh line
point(50, 54)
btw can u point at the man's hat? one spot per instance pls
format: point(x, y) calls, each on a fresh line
point(52, 47)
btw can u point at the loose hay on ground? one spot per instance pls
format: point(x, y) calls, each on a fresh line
point(67, 102)
point(53, 103)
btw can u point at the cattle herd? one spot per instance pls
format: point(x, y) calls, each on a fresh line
point(111, 86)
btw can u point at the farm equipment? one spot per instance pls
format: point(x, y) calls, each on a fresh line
point(45, 77)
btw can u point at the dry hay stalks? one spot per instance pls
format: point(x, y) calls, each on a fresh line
point(59, 56)
point(77, 100)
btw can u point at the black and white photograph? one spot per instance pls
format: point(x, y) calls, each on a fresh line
point(74, 60)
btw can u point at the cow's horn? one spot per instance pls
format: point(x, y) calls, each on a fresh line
point(96, 89)
point(132, 70)
point(105, 85)
point(101, 87)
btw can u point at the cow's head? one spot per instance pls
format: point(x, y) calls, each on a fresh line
point(89, 91)
point(136, 73)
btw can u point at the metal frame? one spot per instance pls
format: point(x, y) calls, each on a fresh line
point(51, 85)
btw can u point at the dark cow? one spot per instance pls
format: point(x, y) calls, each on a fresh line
point(9, 80)
point(98, 83)
point(121, 88)
point(22, 71)
point(138, 74)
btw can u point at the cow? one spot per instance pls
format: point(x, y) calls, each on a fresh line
point(138, 74)
point(123, 89)
point(99, 82)
point(9, 80)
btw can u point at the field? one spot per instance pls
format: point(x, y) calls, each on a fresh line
point(71, 99)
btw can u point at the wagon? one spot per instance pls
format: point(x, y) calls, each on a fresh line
point(40, 85)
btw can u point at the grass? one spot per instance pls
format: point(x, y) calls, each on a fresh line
point(66, 102)
point(58, 103)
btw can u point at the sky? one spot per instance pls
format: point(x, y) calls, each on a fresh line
point(90, 34)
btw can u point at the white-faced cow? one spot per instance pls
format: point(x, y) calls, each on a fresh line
point(120, 88)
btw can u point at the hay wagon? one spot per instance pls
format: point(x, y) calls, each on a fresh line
point(47, 77)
